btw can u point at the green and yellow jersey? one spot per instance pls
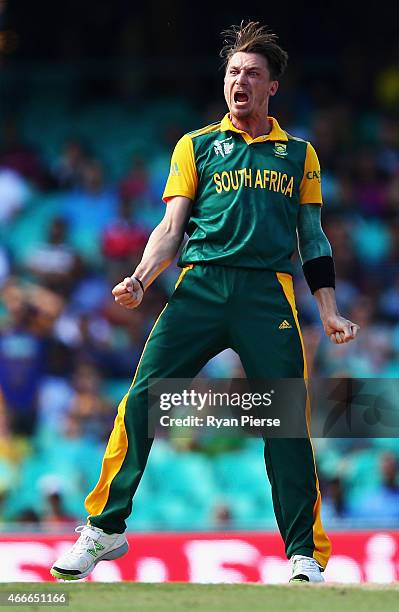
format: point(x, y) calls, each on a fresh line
point(246, 194)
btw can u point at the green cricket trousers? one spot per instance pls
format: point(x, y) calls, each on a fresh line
point(213, 308)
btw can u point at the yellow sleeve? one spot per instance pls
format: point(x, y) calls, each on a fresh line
point(310, 187)
point(183, 178)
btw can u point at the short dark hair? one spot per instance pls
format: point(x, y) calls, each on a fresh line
point(252, 37)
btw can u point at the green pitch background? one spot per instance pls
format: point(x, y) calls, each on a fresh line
point(179, 597)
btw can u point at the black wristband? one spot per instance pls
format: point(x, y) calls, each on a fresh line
point(319, 272)
point(139, 282)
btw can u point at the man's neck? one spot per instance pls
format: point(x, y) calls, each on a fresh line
point(258, 126)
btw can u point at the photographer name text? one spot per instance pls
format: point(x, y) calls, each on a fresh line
point(218, 423)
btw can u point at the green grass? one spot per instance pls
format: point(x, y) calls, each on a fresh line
point(179, 597)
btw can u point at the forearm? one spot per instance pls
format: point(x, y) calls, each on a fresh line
point(161, 249)
point(326, 302)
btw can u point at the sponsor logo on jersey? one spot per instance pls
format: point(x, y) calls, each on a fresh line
point(174, 169)
point(280, 150)
point(223, 147)
point(285, 325)
point(313, 174)
point(264, 178)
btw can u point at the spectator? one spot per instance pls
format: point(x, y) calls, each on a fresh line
point(54, 515)
point(23, 352)
point(14, 194)
point(4, 266)
point(371, 190)
point(93, 204)
point(70, 168)
point(136, 184)
point(28, 516)
point(88, 405)
point(21, 158)
point(123, 239)
point(22, 361)
point(381, 503)
point(222, 517)
point(55, 264)
point(334, 504)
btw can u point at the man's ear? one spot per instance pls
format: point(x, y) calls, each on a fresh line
point(273, 88)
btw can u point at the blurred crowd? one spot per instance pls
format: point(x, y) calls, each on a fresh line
point(76, 211)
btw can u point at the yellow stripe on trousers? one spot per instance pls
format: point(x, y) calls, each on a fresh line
point(116, 450)
point(321, 542)
point(182, 274)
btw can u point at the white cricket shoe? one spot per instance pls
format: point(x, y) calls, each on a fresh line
point(305, 569)
point(93, 545)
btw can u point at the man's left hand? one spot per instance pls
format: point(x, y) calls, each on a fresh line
point(339, 329)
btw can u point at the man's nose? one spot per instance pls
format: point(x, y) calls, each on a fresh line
point(241, 78)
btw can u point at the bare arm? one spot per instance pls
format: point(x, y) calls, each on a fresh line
point(160, 251)
point(336, 327)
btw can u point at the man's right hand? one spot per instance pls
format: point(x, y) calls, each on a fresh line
point(128, 293)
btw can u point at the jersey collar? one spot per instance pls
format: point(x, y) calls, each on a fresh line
point(276, 133)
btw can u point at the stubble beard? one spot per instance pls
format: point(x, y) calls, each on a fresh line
point(241, 113)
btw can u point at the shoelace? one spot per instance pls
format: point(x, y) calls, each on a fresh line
point(88, 536)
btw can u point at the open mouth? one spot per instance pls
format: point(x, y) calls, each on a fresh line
point(240, 97)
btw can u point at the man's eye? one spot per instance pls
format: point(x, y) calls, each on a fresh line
point(233, 71)
point(253, 73)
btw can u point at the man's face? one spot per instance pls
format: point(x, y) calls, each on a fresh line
point(248, 85)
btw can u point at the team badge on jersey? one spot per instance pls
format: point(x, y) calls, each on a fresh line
point(223, 147)
point(280, 150)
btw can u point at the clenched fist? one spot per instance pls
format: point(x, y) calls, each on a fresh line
point(339, 329)
point(128, 293)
